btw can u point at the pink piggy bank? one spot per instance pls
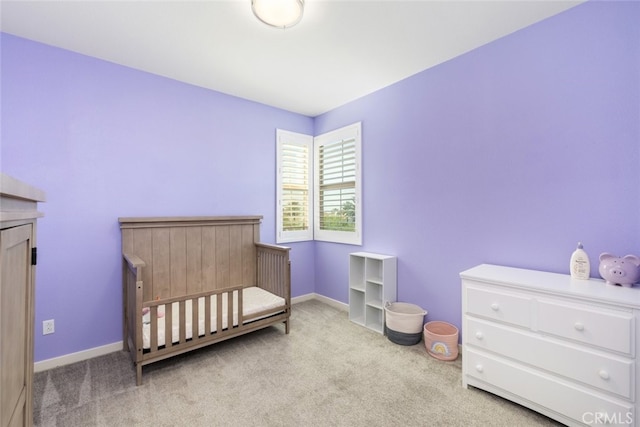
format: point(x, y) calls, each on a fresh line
point(619, 271)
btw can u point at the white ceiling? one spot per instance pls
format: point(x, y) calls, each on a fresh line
point(340, 51)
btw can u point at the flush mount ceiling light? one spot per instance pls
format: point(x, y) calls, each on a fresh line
point(278, 13)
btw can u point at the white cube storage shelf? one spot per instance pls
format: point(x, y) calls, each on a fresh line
point(372, 283)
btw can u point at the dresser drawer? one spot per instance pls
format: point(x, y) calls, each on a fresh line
point(605, 372)
point(594, 325)
point(541, 389)
point(498, 305)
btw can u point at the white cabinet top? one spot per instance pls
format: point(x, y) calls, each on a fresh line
point(18, 200)
point(371, 255)
point(14, 188)
point(554, 283)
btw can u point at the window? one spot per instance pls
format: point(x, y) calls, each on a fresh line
point(318, 186)
point(337, 186)
point(294, 183)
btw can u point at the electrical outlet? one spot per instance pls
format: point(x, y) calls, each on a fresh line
point(47, 327)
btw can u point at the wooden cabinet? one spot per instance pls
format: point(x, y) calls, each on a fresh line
point(566, 348)
point(372, 283)
point(18, 214)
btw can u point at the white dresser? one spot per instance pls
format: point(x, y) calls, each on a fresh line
point(563, 347)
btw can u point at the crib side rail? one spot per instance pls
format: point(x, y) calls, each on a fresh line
point(132, 267)
point(274, 270)
point(171, 316)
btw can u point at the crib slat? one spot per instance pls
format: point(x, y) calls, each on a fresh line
point(219, 313)
point(153, 319)
point(229, 310)
point(168, 325)
point(195, 312)
point(182, 322)
point(240, 308)
point(207, 316)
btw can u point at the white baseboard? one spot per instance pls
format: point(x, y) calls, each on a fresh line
point(68, 359)
point(80, 356)
point(303, 298)
point(329, 301)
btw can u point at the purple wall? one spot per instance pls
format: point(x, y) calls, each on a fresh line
point(510, 155)
point(106, 141)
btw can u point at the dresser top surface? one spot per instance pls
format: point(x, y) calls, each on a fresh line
point(11, 187)
point(592, 289)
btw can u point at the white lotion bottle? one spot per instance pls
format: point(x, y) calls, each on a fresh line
point(579, 265)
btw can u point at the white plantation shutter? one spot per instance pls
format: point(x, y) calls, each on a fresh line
point(294, 186)
point(337, 186)
point(337, 175)
point(319, 186)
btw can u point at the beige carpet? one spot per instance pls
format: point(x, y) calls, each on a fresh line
point(326, 372)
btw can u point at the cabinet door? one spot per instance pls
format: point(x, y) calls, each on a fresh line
point(15, 325)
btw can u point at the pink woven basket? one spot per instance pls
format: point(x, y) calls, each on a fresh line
point(441, 340)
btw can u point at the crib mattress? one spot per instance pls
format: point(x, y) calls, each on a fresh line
point(254, 300)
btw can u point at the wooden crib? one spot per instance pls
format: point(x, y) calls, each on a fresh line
point(189, 282)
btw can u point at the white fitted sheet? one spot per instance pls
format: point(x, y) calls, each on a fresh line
point(254, 300)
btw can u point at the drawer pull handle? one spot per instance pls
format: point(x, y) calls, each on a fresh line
point(495, 306)
point(579, 326)
point(604, 374)
point(479, 367)
point(479, 335)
